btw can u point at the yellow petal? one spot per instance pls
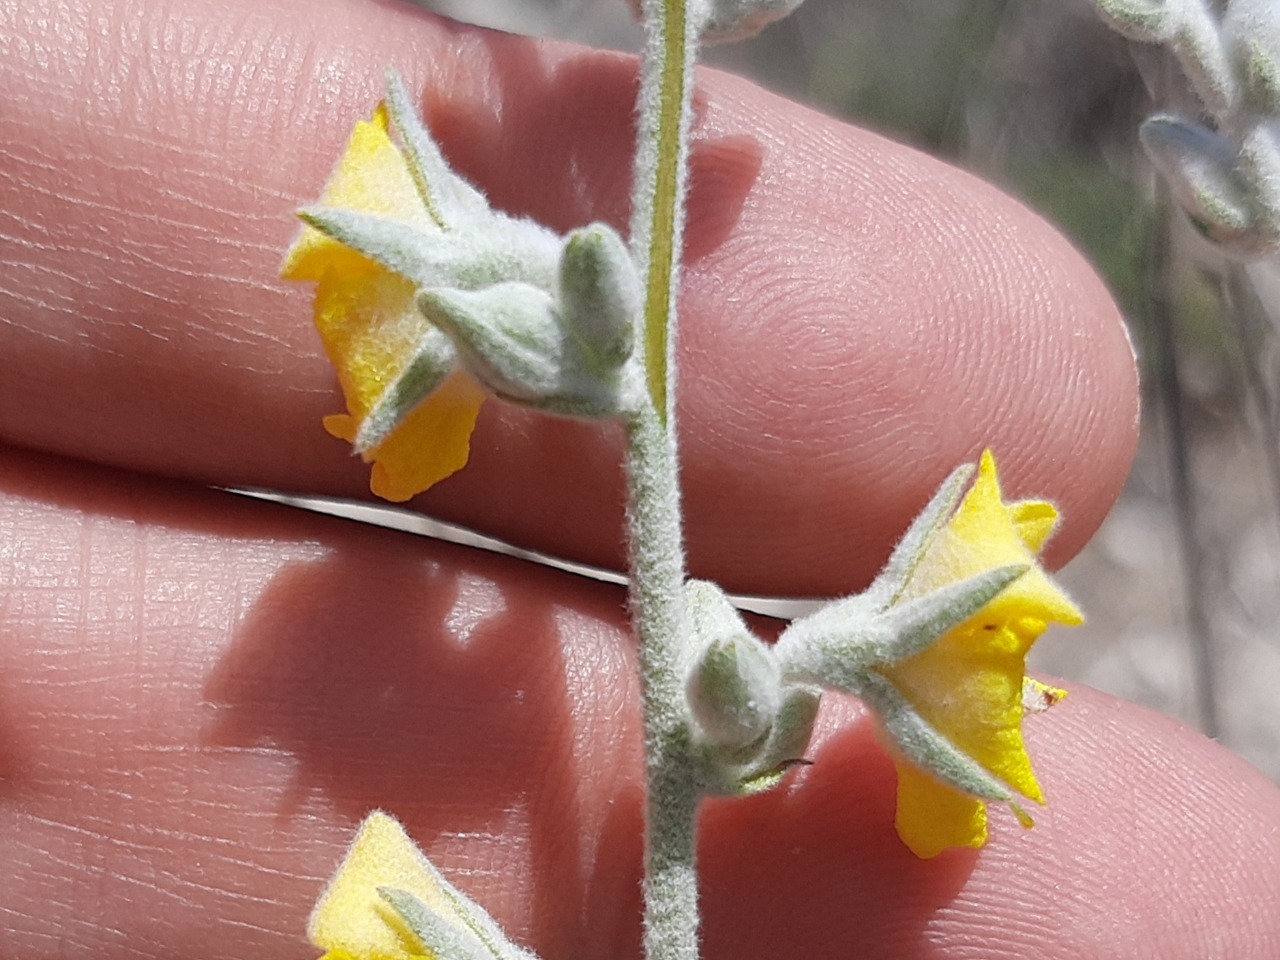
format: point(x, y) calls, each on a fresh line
point(370, 326)
point(933, 817)
point(1035, 520)
point(985, 533)
point(351, 920)
point(969, 686)
point(432, 443)
point(372, 177)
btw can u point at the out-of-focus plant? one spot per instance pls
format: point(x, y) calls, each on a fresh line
point(1223, 168)
point(1219, 162)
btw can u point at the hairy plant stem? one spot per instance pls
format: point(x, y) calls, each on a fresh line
point(657, 610)
point(656, 536)
point(661, 174)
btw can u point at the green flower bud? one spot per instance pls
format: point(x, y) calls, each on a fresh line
point(512, 339)
point(735, 691)
point(600, 294)
point(735, 684)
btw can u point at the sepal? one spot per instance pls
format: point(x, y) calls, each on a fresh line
point(788, 739)
point(838, 644)
point(761, 766)
point(451, 200)
point(925, 746)
point(432, 361)
point(439, 938)
point(892, 580)
point(467, 259)
point(855, 615)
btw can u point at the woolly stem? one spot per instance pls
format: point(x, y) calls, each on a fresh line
point(661, 177)
point(656, 538)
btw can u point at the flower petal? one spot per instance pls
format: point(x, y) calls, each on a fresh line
point(371, 327)
point(432, 442)
point(986, 533)
point(933, 817)
point(372, 177)
point(969, 685)
point(1035, 520)
point(350, 918)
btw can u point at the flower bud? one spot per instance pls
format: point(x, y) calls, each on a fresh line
point(735, 685)
point(600, 294)
point(735, 691)
point(512, 339)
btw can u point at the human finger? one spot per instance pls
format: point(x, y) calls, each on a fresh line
point(858, 318)
point(200, 697)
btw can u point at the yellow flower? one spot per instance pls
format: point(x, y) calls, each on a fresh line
point(370, 325)
point(352, 922)
point(969, 685)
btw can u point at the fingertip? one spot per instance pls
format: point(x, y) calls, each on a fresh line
point(1154, 842)
point(890, 318)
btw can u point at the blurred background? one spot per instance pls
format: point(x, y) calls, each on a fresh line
point(1182, 584)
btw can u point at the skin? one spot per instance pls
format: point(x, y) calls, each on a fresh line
point(201, 695)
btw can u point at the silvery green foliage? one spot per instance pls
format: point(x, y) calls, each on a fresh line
point(838, 645)
point(1224, 173)
point(563, 351)
point(539, 319)
point(924, 746)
